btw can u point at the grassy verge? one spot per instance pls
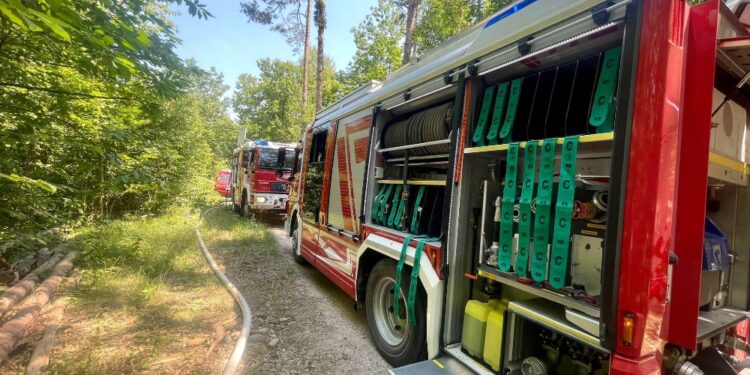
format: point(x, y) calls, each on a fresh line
point(144, 299)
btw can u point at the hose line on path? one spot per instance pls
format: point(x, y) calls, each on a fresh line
point(239, 348)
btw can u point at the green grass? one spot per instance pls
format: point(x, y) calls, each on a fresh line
point(145, 299)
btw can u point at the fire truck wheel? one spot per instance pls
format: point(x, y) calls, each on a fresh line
point(396, 339)
point(235, 207)
point(245, 208)
point(296, 250)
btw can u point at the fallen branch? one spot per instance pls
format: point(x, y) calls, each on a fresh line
point(15, 329)
point(43, 350)
point(22, 288)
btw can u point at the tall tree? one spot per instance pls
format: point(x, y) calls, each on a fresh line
point(412, 6)
point(269, 104)
point(320, 22)
point(441, 19)
point(287, 18)
point(283, 16)
point(94, 101)
point(306, 55)
point(379, 45)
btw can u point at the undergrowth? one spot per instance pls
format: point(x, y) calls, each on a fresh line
point(145, 298)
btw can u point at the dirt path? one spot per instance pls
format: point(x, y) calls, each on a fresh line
point(302, 322)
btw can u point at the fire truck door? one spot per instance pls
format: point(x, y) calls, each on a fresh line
point(345, 194)
point(312, 191)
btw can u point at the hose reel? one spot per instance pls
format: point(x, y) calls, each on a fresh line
point(432, 124)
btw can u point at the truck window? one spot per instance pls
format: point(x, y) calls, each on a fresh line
point(313, 188)
point(289, 159)
point(247, 160)
point(268, 158)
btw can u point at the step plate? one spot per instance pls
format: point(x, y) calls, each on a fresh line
point(441, 366)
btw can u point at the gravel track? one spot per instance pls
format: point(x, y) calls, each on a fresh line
point(302, 322)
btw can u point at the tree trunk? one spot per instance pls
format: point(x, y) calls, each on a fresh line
point(411, 23)
point(306, 57)
point(320, 21)
point(16, 327)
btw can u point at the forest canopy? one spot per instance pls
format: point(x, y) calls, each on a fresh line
point(99, 117)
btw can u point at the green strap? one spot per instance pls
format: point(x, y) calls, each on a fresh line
point(384, 205)
point(603, 108)
point(510, 117)
point(489, 94)
point(394, 203)
point(542, 215)
point(412, 297)
point(558, 270)
point(376, 203)
point(399, 268)
point(497, 113)
point(415, 212)
point(524, 219)
point(400, 208)
point(506, 209)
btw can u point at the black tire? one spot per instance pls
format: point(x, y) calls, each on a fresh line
point(395, 339)
point(245, 208)
point(296, 250)
point(235, 207)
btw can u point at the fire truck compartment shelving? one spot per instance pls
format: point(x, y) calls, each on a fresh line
point(412, 164)
point(519, 172)
point(522, 120)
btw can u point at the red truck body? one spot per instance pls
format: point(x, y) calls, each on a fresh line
point(222, 183)
point(665, 288)
point(260, 180)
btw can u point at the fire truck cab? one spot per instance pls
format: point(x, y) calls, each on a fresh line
point(260, 176)
point(559, 189)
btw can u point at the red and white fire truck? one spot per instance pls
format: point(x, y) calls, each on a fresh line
point(559, 189)
point(260, 176)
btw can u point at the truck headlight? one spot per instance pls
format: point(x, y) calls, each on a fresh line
point(260, 199)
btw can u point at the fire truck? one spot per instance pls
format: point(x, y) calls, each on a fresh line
point(559, 189)
point(260, 176)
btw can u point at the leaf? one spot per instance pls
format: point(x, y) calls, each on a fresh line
point(143, 39)
point(12, 17)
point(124, 62)
point(41, 184)
point(127, 44)
point(56, 25)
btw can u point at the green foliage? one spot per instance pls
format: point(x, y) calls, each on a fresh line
point(270, 105)
point(442, 19)
point(380, 36)
point(286, 17)
point(105, 121)
point(379, 41)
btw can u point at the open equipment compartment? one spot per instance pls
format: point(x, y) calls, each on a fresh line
point(413, 140)
point(558, 106)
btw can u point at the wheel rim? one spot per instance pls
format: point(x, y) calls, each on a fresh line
point(393, 329)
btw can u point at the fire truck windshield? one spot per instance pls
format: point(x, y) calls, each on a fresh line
point(269, 157)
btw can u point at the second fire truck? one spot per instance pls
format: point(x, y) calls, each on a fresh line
point(260, 176)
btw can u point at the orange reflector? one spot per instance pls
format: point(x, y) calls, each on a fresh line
point(628, 325)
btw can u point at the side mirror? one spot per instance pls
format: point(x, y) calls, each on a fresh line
point(280, 159)
point(295, 163)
